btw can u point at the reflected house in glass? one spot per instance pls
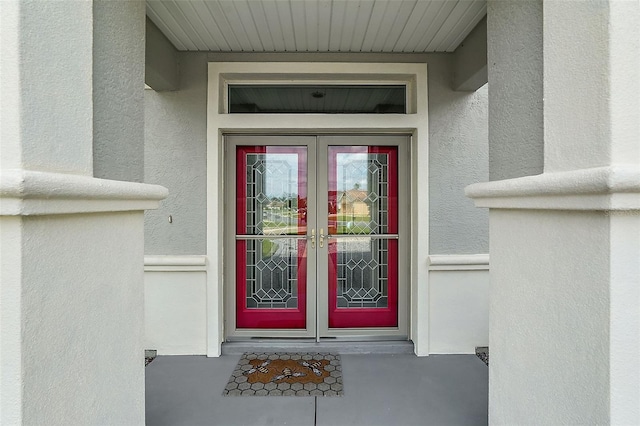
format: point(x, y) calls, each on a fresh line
point(354, 202)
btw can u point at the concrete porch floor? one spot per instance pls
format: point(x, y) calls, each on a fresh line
point(389, 390)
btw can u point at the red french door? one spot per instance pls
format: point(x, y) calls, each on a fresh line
point(271, 245)
point(292, 275)
point(363, 236)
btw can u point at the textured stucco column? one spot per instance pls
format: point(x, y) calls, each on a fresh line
point(118, 102)
point(565, 244)
point(514, 55)
point(71, 245)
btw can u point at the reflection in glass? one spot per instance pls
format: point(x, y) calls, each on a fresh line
point(271, 271)
point(361, 265)
point(273, 189)
point(359, 198)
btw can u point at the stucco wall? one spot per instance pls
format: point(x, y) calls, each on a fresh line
point(71, 265)
point(46, 86)
point(514, 33)
point(458, 156)
point(549, 317)
point(118, 103)
point(175, 157)
point(87, 285)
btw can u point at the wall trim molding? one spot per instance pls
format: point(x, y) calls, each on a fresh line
point(458, 262)
point(26, 193)
point(175, 263)
point(615, 187)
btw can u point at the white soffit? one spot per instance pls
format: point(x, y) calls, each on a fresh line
point(316, 25)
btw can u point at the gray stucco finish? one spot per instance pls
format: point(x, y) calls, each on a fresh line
point(46, 80)
point(118, 99)
point(175, 154)
point(176, 158)
point(458, 156)
point(515, 88)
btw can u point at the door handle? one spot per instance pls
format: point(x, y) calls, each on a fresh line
point(313, 238)
point(321, 237)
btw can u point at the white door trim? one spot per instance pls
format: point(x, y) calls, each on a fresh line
point(415, 123)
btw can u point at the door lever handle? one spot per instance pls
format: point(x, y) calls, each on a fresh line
point(321, 237)
point(313, 238)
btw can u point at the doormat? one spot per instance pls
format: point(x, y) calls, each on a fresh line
point(286, 374)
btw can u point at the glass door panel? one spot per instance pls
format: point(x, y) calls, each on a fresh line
point(271, 244)
point(362, 236)
point(313, 241)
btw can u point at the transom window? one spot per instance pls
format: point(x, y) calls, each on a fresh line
point(317, 98)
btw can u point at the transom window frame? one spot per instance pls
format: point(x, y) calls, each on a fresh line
point(406, 80)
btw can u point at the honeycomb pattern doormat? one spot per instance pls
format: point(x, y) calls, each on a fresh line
point(286, 374)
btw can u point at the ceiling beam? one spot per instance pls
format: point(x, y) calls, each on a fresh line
point(161, 62)
point(470, 60)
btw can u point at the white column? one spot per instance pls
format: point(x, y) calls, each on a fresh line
point(565, 245)
point(71, 245)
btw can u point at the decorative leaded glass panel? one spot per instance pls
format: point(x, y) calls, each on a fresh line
point(272, 273)
point(361, 196)
point(270, 236)
point(361, 266)
point(363, 241)
point(273, 200)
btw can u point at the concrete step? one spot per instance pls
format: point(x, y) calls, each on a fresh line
point(341, 347)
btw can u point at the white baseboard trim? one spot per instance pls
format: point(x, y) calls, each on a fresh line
point(458, 262)
point(175, 263)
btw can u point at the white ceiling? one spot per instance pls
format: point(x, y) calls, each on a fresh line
point(316, 25)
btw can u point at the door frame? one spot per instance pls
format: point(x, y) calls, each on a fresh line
point(318, 299)
point(230, 293)
point(404, 209)
point(414, 123)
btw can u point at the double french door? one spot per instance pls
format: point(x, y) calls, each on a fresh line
point(316, 236)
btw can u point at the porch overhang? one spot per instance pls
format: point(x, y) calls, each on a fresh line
point(305, 30)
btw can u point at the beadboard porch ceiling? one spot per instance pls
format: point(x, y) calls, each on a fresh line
point(378, 26)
